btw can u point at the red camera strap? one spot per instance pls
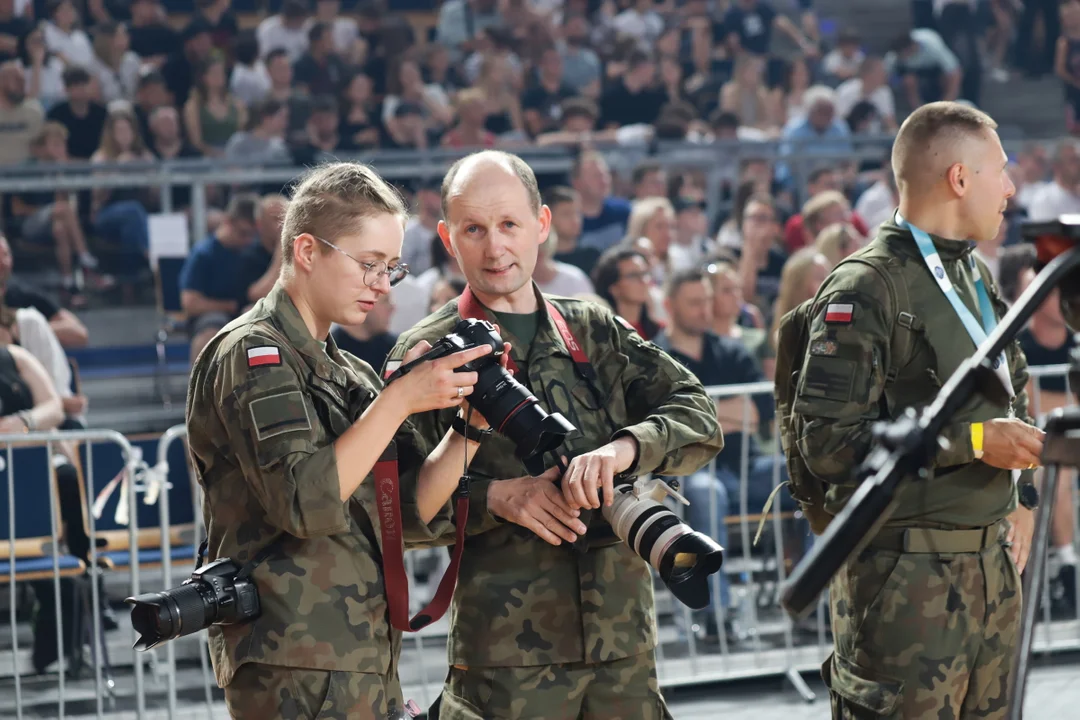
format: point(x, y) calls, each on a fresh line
point(470, 308)
point(388, 497)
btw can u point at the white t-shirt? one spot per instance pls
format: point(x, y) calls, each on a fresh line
point(876, 205)
point(569, 281)
point(74, 46)
point(1052, 201)
point(36, 336)
point(250, 83)
point(850, 92)
point(835, 63)
point(273, 34)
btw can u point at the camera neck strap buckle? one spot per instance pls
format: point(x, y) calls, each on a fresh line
point(388, 499)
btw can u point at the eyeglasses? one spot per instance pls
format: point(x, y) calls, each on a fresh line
point(373, 271)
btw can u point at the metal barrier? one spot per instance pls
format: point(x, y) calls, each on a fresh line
point(764, 642)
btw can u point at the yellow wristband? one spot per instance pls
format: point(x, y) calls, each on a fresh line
point(977, 439)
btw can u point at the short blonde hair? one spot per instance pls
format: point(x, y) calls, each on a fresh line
point(641, 212)
point(815, 207)
point(929, 129)
point(835, 241)
point(332, 198)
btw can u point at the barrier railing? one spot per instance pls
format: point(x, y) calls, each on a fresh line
point(749, 637)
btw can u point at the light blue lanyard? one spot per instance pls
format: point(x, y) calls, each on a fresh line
point(986, 309)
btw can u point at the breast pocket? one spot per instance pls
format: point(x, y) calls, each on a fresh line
point(330, 408)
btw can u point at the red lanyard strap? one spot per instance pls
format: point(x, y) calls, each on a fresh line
point(388, 497)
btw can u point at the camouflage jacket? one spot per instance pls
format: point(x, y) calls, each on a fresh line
point(265, 403)
point(843, 388)
point(519, 600)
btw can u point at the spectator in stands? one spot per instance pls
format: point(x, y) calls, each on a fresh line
point(286, 31)
point(576, 126)
point(64, 37)
point(371, 341)
point(14, 27)
point(322, 137)
point(732, 316)
point(120, 214)
point(263, 264)
point(151, 93)
point(838, 241)
point(343, 29)
point(566, 224)
point(153, 40)
point(1060, 196)
point(821, 211)
point(212, 115)
point(639, 21)
point(760, 261)
point(248, 81)
point(264, 141)
point(820, 180)
point(542, 102)
point(1067, 63)
point(320, 71)
point(746, 96)
point(167, 142)
point(212, 291)
point(423, 226)
point(819, 131)
point(803, 274)
point(114, 66)
point(469, 131)
point(877, 203)
point(581, 65)
point(871, 85)
point(180, 68)
point(845, 61)
point(221, 20)
point(748, 25)
point(788, 101)
point(460, 21)
point(649, 180)
point(633, 98)
point(691, 243)
point(444, 290)
point(83, 117)
point(653, 218)
point(555, 277)
point(361, 126)
point(605, 216)
point(623, 279)
point(21, 117)
point(503, 114)
point(412, 296)
point(927, 68)
point(406, 86)
point(44, 71)
point(51, 218)
point(1037, 62)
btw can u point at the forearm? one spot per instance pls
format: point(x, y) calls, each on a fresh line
point(952, 85)
point(440, 473)
point(261, 287)
point(46, 415)
point(195, 303)
point(361, 446)
point(69, 330)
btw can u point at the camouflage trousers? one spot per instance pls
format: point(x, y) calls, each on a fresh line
point(270, 692)
point(923, 635)
point(624, 689)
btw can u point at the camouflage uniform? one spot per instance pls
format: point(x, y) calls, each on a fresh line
point(543, 631)
point(925, 620)
point(260, 434)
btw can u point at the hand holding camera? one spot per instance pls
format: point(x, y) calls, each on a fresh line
point(436, 384)
point(589, 474)
point(535, 503)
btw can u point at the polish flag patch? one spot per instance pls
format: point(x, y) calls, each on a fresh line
point(259, 356)
point(840, 313)
point(391, 366)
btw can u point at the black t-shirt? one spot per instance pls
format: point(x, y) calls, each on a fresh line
point(18, 28)
point(619, 106)
point(321, 78)
point(154, 40)
point(548, 104)
point(179, 77)
point(373, 351)
point(726, 361)
point(582, 258)
point(1037, 356)
point(754, 27)
point(84, 133)
point(19, 297)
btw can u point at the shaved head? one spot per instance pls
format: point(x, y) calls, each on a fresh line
point(479, 165)
point(934, 138)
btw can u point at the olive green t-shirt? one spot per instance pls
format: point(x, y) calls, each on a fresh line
point(518, 329)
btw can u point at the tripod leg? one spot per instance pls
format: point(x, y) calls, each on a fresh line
point(1032, 590)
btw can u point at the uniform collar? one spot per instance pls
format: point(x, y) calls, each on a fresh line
point(286, 318)
point(548, 340)
point(947, 249)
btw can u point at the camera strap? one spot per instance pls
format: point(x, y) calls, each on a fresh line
point(470, 308)
point(260, 557)
point(388, 498)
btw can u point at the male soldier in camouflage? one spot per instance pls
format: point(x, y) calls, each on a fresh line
point(538, 629)
point(284, 428)
point(925, 620)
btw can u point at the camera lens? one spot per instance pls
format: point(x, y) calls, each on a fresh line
point(162, 616)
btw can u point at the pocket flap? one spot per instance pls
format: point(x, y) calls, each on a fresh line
point(869, 690)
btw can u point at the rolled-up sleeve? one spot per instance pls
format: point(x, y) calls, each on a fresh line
point(273, 431)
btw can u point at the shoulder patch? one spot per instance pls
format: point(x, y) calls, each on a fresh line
point(625, 323)
point(391, 366)
point(278, 414)
point(264, 355)
point(839, 313)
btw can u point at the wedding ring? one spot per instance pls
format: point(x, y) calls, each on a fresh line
point(461, 392)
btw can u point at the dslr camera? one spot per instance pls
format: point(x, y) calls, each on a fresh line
point(218, 593)
point(506, 404)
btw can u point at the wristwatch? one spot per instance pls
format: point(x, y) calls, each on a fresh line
point(468, 431)
point(1028, 495)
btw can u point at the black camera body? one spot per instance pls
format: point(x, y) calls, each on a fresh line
point(507, 405)
point(216, 594)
